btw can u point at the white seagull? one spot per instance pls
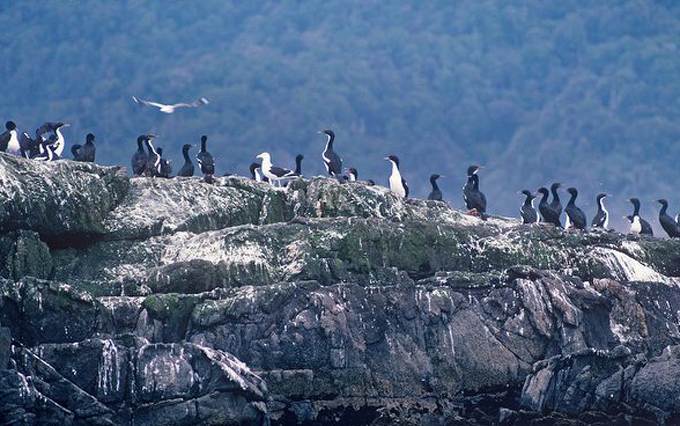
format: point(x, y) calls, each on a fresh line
point(169, 109)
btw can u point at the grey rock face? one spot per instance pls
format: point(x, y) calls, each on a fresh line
point(152, 301)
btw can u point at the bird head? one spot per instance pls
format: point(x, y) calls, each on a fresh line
point(89, 137)
point(662, 202)
point(527, 193)
point(572, 191)
point(473, 169)
point(204, 138)
point(10, 125)
point(299, 157)
point(392, 158)
point(327, 132)
point(555, 186)
point(264, 156)
point(543, 191)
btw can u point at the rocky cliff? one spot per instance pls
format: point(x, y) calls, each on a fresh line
point(174, 302)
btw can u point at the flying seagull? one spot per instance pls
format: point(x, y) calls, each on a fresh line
point(169, 109)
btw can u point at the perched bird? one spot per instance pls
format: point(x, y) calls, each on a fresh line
point(56, 140)
point(635, 225)
point(475, 200)
point(169, 109)
point(9, 140)
point(140, 157)
point(49, 153)
point(575, 216)
point(206, 162)
point(255, 172)
point(298, 165)
point(638, 224)
point(76, 151)
point(188, 167)
point(555, 203)
point(398, 184)
point(271, 172)
point(436, 193)
point(527, 210)
point(667, 223)
point(164, 167)
point(549, 215)
point(88, 151)
point(29, 147)
point(331, 159)
point(153, 160)
point(601, 219)
point(352, 174)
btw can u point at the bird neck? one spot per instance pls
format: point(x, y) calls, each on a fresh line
point(298, 166)
point(528, 202)
point(395, 169)
point(600, 204)
point(435, 187)
point(329, 142)
point(556, 197)
point(636, 209)
point(185, 154)
point(266, 164)
point(475, 181)
point(544, 198)
point(203, 144)
point(572, 199)
point(664, 207)
point(152, 150)
point(140, 146)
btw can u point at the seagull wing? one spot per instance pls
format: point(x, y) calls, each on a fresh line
point(148, 103)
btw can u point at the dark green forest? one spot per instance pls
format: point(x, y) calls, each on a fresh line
point(586, 93)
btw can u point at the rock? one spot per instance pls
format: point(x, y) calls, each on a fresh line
point(24, 255)
point(57, 199)
point(5, 347)
point(153, 301)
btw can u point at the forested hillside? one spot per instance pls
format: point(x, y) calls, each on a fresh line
point(587, 93)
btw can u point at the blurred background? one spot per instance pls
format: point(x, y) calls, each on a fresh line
point(585, 93)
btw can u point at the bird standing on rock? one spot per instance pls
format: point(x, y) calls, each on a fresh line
point(436, 193)
point(9, 140)
point(575, 216)
point(638, 224)
point(527, 211)
point(555, 204)
point(206, 162)
point(140, 157)
point(601, 219)
point(164, 167)
point(331, 159)
point(549, 215)
point(87, 152)
point(271, 172)
point(475, 200)
point(153, 160)
point(398, 185)
point(187, 169)
point(667, 223)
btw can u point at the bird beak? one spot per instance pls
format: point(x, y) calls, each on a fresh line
point(319, 131)
point(442, 176)
point(66, 125)
point(386, 158)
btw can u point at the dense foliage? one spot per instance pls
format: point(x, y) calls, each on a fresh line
point(583, 92)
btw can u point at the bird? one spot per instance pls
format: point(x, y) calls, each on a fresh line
point(49, 153)
point(153, 160)
point(76, 151)
point(555, 203)
point(638, 224)
point(140, 157)
point(331, 159)
point(667, 223)
point(89, 149)
point(352, 174)
point(169, 109)
point(635, 225)
point(398, 184)
point(273, 173)
point(29, 147)
point(575, 216)
point(9, 140)
point(527, 210)
point(206, 162)
point(255, 172)
point(298, 165)
point(475, 200)
point(601, 219)
point(56, 140)
point(436, 193)
point(164, 168)
point(549, 215)
point(187, 169)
